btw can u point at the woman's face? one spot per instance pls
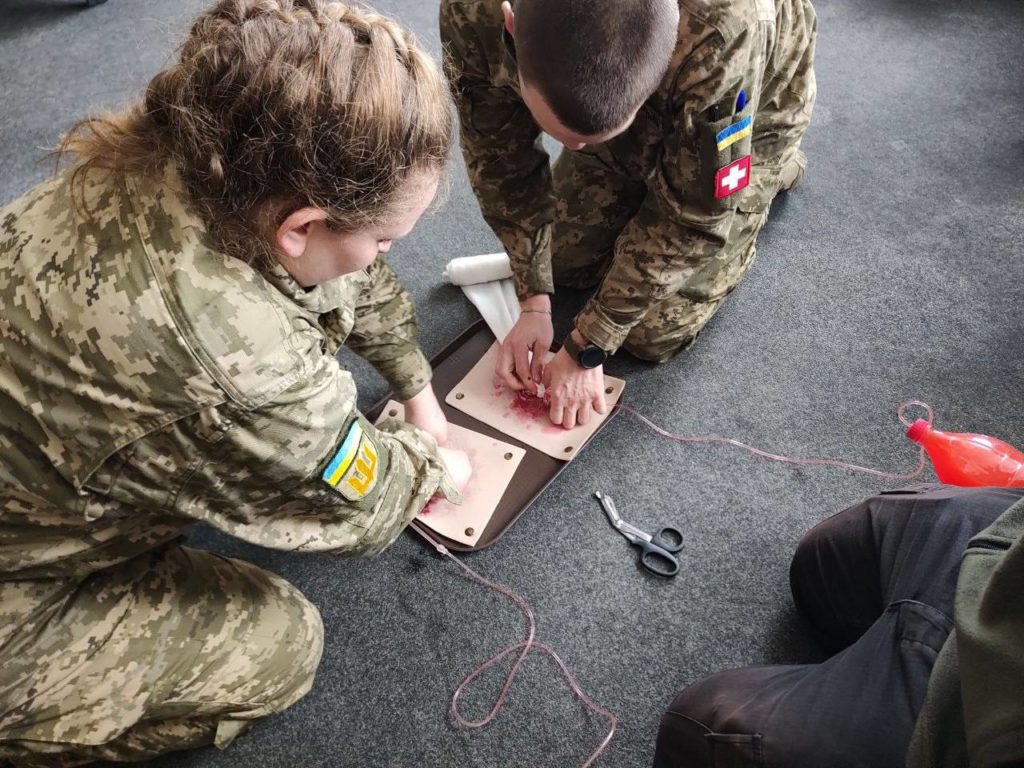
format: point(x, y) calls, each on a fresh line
point(327, 254)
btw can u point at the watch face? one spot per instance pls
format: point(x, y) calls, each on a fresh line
point(592, 356)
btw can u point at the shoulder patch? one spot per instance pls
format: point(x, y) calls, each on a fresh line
point(732, 178)
point(733, 133)
point(353, 470)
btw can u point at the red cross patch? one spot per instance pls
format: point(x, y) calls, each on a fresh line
point(732, 178)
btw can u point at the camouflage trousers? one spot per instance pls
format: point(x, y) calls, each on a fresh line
point(598, 191)
point(177, 648)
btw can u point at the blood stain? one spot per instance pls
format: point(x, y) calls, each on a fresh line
point(530, 405)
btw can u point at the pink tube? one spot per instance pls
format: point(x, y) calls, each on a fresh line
point(530, 643)
point(789, 459)
point(524, 647)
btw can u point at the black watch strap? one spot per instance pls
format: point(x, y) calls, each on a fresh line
point(587, 356)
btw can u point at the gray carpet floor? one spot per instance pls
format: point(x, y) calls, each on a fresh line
point(893, 273)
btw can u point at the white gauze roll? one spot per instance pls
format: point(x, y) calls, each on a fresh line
point(486, 281)
point(489, 299)
point(470, 270)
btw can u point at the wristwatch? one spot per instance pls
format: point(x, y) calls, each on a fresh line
point(589, 356)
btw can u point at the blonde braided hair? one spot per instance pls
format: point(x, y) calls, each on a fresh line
point(279, 104)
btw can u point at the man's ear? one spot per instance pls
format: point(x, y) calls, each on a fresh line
point(510, 18)
point(293, 233)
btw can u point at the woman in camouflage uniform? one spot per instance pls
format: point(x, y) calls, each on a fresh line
point(172, 305)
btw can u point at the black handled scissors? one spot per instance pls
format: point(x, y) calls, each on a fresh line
point(657, 552)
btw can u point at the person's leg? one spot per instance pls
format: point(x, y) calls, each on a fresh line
point(787, 99)
point(879, 579)
point(175, 649)
point(595, 199)
point(672, 325)
point(899, 545)
point(856, 710)
point(142, 741)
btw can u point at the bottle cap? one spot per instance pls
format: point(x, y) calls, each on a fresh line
point(918, 429)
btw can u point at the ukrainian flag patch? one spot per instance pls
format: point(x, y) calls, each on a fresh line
point(726, 137)
point(353, 470)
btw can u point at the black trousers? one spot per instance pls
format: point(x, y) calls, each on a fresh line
point(876, 583)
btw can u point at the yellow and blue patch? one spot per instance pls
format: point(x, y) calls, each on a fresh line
point(353, 470)
point(726, 137)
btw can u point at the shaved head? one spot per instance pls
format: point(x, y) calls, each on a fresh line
point(595, 61)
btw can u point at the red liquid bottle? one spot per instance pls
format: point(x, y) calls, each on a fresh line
point(970, 460)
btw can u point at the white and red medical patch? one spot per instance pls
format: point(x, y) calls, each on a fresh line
point(732, 178)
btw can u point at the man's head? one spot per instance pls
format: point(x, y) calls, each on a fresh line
point(587, 66)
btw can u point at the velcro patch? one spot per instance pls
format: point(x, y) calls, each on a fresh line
point(353, 470)
point(732, 178)
point(728, 136)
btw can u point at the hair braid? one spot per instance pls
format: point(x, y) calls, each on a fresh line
point(283, 104)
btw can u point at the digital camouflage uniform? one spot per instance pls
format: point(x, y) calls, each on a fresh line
point(641, 210)
point(147, 381)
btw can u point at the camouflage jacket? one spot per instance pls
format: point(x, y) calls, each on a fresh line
point(147, 380)
point(723, 47)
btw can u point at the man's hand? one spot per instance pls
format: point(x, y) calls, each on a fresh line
point(425, 412)
point(458, 466)
point(576, 392)
point(532, 332)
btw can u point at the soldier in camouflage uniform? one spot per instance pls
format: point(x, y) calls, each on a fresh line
point(662, 212)
point(150, 378)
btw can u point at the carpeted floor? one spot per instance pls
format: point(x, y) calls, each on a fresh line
point(894, 272)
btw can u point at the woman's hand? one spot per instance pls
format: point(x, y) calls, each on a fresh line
point(425, 412)
point(532, 333)
point(459, 468)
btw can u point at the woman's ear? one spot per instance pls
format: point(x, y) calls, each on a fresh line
point(510, 18)
point(293, 233)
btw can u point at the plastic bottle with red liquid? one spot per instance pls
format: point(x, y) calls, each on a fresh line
point(970, 460)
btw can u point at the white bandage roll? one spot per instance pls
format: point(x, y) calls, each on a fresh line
point(471, 270)
point(490, 300)
point(508, 291)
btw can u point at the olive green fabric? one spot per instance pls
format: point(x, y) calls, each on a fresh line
point(973, 713)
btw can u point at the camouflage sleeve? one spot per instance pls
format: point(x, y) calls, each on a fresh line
point(508, 166)
point(682, 230)
point(385, 332)
point(304, 472)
